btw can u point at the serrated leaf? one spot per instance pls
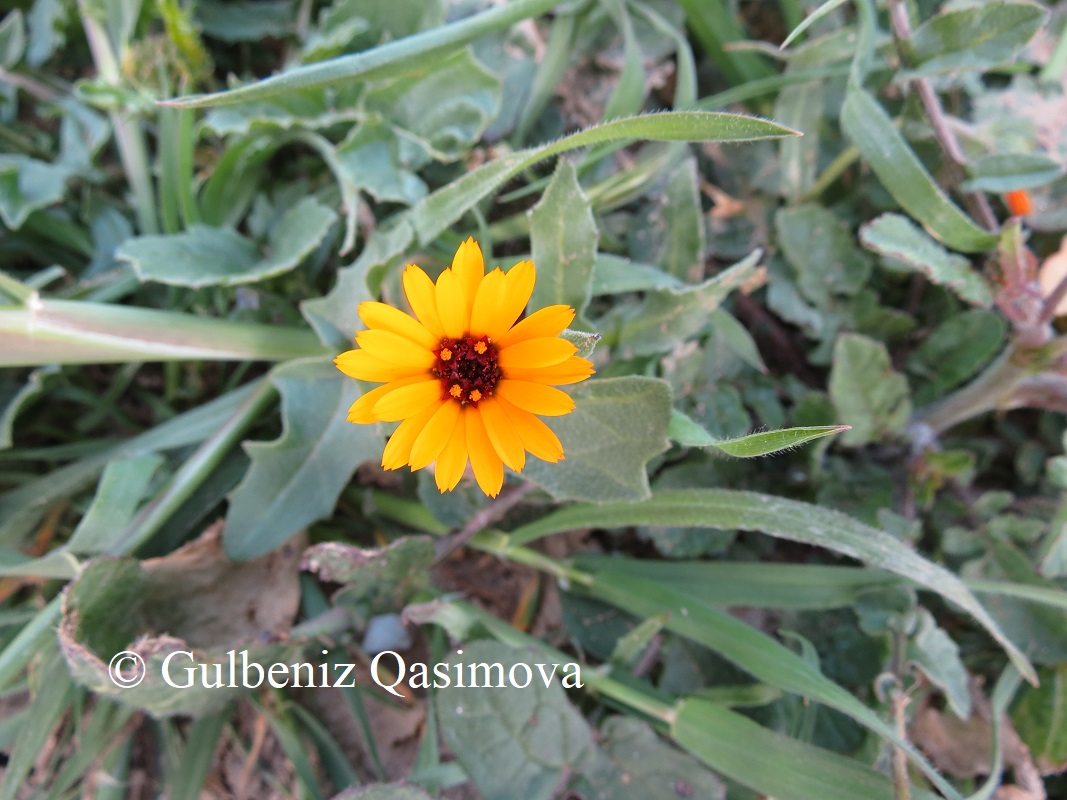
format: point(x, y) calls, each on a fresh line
point(28, 185)
point(894, 236)
point(866, 392)
point(297, 478)
point(821, 249)
point(866, 123)
point(563, 241)
point(689, 434)
point(534, 730)
point(206, 256)
point(1007, 172)
point(669, 316)
point(934, 652)
point(618, 424)
point(955, 351)
point(784, 518)
point(974, 38)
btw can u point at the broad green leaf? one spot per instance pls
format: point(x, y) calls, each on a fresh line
point(866, 392)
point(616, 275)
point(736, 338)
point(77, 332)
point(677, 224)
point(447, 108)
point(689, 434)
point(339, 23)
point(866, 123)
point(12, 39)
point(800, 106)
point(46, 23)
point(383, 791)
point(1040, 718)
point(121, 488)
point(28, 185)
point(1006, 172)
point(205, 256)
point(955, 351)
point(405, 56)
point(747, 647)
point(773, 764)
point(896, 237)
point(297, 478)
point(726, 584)
point(666, 317)
point(374, 580)
point(821, 249)
point(377, 161)
point(441, 209)
point(617, 426)
point(534, 730)
point(932, 650)
point(780, 517)
point(563, 240)
point(974, 38)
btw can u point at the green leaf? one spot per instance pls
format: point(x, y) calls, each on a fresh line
point(737, 338)
point(823, 10)
point(666, 317)
point(866, 123)
point(800, 106)
point(1006, 172)
point(563, 240)
point(618, 424)
point(297, 478)
point(787, 519)
point(866, 391)
point(121, 489)
point(246, 20)
point(895, 237)
point(973, 38)
point(28, 185)
point(678, 222)
point(955, 351)
point(771, 763)
point(821, 249)
point(12, 39)
point(1040, 719)
point(933, 651)
point(585, 342)
point(534, 730)
point(405, 56)
point(383, 791)
point(375, 159)
point(13, 400)
point(615, 275)
point(205, 256)
point(689, 434)
point(441, 209)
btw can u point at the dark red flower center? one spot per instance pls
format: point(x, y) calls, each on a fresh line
point(467, 369)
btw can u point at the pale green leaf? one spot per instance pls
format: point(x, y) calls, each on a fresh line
point(206, 256)
point(12, 39)
point(585, 342)
point(689, 434)
point(896, 237)
point(28, 185)
point(821, 249)
point(121, 488)
point(617, 426)
point(383, 791)
point(1007, 172)
point(13, 401)
point(616, 275)
point(866, 123)
point(866, 392)
point(678, 222)
point(955, 351)
point(932, 650)
point(974, 38)
point(822, 11)
point(563, 240)
point(1040, 718)
point(784, 518)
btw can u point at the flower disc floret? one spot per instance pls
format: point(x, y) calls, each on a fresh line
point(467, 369)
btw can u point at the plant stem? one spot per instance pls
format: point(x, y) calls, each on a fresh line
point(985, 393)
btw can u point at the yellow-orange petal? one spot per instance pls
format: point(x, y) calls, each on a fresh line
point(361, 365)
point(488, 468)
point(453, 459)
point(502, 434)
point(408, 401)
point(398, 449)
point(492, 293)
point(395, 349)
point(451, 305)
point(469, 267)
point(536, 437)
point(362, 411)
point(387, 318)
point(520, 284)
point(534, 353)
point(573, 370)
point(422, 297)
point(434, 436)
point(535, 397)
point(549, 321)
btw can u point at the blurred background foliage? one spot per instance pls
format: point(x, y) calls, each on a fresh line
point(847, 617)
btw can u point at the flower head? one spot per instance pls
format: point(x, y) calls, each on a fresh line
point(463, 378)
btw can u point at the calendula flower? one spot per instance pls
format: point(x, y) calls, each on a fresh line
point(463, 378)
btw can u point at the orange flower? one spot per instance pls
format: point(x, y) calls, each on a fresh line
point(465, 380)
point(1018, 203)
